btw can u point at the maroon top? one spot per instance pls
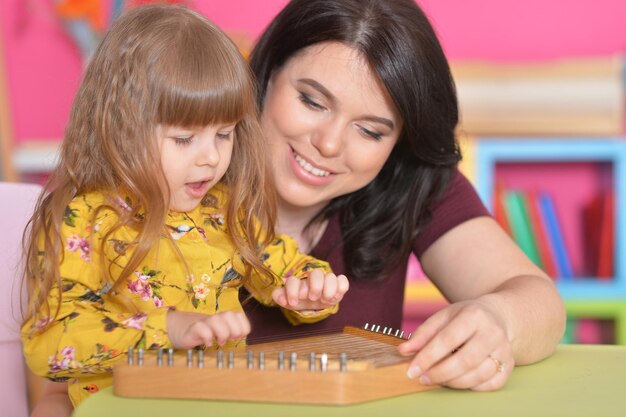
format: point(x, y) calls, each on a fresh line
point(377, 302)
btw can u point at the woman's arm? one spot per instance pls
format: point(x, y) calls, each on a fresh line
point(504, 309)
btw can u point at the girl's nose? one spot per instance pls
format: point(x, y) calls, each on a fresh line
point(208, 154)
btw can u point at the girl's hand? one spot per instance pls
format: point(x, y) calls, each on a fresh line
point(317, 292)
point(187, 330)
point(463, 346)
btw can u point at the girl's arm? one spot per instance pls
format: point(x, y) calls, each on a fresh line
point(504, 310)
point(303, 286)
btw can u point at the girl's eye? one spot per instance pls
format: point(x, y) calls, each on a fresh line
point(370, 133)
point(224, 135)
point(310, 102)
point(182, 140)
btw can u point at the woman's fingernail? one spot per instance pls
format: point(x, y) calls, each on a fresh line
point(424, 380)
point(413, 371)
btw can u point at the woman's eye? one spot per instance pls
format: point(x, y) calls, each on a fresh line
point(310, 102)
point(182, 140)
point(371, 134)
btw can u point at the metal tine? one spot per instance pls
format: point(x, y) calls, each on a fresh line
point(324, 362)
point(293, 358)
point(261, 360)
point(220, 359)
point(281, 360)
point(250, 359)
point(366, 326)
point(231, 359)
point(131, 355)
point(312, 361)
point(200, 358)
point(170, 357)
point(189, 358)
point(343, 362)
point(140, 357)
point(160, 356)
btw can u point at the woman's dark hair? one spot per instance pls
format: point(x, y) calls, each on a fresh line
point(380, 221)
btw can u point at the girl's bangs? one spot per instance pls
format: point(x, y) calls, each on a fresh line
point(204, 88)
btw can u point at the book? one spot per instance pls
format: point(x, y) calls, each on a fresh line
point(592, 218)
point(538, 226)
point(520, 225)
point(555, 236)
point(499, 209)
point(570, 97)
point(570, 331)
point(606, 247)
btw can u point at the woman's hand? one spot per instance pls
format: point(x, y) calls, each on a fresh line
point(187, 330)
point(463, 346)
point(317, 292)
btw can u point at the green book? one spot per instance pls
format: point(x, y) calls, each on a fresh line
point(570, 331)
point(520, 225)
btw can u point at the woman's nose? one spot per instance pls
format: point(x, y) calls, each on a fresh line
point(328, 139)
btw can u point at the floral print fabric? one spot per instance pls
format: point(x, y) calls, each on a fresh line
point(96, 325)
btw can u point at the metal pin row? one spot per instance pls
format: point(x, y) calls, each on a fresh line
point(386, 330)
point(168, 355)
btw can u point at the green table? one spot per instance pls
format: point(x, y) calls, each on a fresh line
point(578, 380)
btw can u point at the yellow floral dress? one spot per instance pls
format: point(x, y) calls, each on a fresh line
point(95, 326)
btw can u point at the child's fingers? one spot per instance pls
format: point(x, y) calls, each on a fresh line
point(199, 333)
point(330, 288)
point(244, 325)
point(343, 285)
point(227, 326)
point(316, 282)
point(279, 296)
point(292, 290)
point(221, 328)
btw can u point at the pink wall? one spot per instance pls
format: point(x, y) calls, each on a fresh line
point(44, 67)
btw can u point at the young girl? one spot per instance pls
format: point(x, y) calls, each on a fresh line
point(160, 209)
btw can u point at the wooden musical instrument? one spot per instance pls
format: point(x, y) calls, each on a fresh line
point(352, 366)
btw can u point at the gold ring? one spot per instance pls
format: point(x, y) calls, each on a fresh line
point(498, 363)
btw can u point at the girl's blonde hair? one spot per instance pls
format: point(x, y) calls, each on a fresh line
point(157, 65)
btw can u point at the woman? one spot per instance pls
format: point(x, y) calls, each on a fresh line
point(359, 108)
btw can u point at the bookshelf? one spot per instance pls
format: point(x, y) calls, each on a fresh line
point(587, 164)
point(586, 296)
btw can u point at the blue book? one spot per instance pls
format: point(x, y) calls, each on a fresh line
point(555, 237)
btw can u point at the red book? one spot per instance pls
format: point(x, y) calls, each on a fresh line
point(546, 257)
point(592, 219)
point(606, 248)
point(499, 212)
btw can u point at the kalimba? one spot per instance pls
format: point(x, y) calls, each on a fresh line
point(352, 366)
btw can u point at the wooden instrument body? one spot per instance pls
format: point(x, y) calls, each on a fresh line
point(374, 371)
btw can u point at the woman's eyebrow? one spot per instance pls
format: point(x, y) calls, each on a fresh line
point(380, 120)
point(319, 87)
point(323, 90)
